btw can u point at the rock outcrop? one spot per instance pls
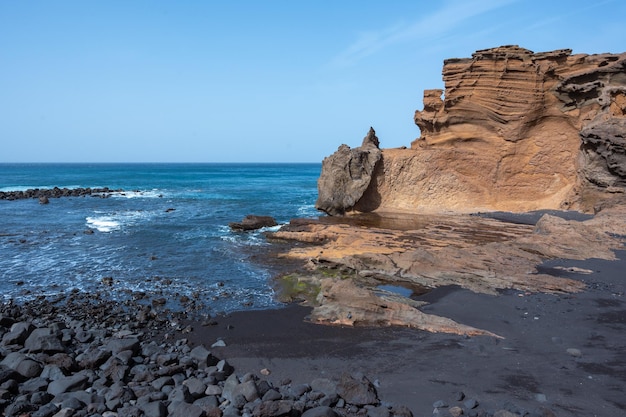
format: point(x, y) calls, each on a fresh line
point(514, 130)
point(252, 222)
point(351, 257)
point(346, 174)
point(44, 194)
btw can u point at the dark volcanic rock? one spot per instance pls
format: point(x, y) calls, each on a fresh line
point(357, 390)
point(253, 222)
point(604, 148)
point(43, 195)
point(346, 175)
point(52, 365)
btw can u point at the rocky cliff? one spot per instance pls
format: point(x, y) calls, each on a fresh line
point(514, 130)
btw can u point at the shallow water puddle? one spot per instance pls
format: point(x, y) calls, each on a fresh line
point(396, 289)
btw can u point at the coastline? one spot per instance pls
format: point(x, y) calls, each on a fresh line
point(561, 354)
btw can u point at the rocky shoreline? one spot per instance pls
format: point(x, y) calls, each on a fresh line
point(80, 354)
point(84, 355)
point(43, 194)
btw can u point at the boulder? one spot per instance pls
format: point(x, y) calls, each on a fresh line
point(22, 364)
point(18, 333)
point(357, 390)
point(346, 175)
point(253, 222)
point(71, 383)
point(43, 340)
point(273, 408)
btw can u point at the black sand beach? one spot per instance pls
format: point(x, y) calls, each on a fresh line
point(562, 355)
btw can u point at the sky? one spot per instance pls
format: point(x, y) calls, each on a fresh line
point(250, 81)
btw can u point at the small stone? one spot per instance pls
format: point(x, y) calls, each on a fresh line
point(248, 390)
point(202, 355)
point(196, 387)
point(23, 365)
point(219, 343)
point(273, 408)
point(213, 390)
point(67, 384)
point(272, 395)
point(265, 371)
point(154, 409)
point(455, 411)
point(324, 385)
point(574, 352)
point(440, 404)
point(357, 391)
point(182, 409)
point(401, 411)
point(223, 366)
point(18, 333)
point(299, 390)
point(118, 345)
point(73, 402)
point(470, 403)
point(46, 410)
point(65, 412)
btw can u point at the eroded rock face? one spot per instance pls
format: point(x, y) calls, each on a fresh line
point(515, 131)
point(346, 175)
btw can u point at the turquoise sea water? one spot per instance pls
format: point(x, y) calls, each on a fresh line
point(166, 235)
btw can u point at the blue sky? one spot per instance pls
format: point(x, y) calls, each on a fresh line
point(250, 81)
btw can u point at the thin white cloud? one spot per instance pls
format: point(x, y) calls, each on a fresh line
point(451, 15)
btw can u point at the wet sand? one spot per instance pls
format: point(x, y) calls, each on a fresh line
point(563, 353)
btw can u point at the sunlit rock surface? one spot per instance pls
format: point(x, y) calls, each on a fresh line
point(513, 131)
point(346, 174)
point(350, 257)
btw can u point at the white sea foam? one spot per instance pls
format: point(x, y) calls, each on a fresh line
point(103, 223)
point(308, 210)
point(139, 194)
point(272, 228)
point(116, 221)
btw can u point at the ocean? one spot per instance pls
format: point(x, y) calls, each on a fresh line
point(166, 236)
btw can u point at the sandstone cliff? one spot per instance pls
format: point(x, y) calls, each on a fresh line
point(514, 130)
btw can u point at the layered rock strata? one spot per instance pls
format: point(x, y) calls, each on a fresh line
point(513, 130)
point(350, 258)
